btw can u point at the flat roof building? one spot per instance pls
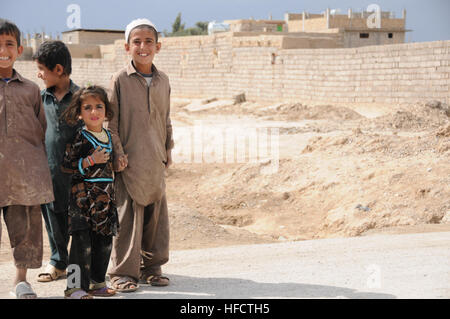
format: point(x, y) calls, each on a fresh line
point(92, 36)
point(356, 28)
point(251, 25)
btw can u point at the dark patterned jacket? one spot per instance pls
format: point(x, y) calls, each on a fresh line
point(92, 201)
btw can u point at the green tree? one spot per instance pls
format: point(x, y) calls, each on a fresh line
point(202, 25)
point(178, 28)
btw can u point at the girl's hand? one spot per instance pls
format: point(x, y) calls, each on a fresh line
point(100, 155)
point(120, 163)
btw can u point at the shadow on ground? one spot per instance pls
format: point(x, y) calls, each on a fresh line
point(185, 287)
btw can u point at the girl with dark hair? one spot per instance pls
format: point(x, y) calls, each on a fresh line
point(92, 213)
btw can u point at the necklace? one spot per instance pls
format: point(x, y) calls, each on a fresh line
point(101, 136)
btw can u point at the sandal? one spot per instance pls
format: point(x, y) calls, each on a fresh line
point(156, 280)
point(51, 273)
point(102, 292)
point(123, 284)
point(23, 290)
point(79, 294)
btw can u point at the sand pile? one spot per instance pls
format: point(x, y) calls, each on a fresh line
point(416, 117)
point(354, 174)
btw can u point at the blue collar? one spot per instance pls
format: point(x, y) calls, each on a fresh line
point(95, 142)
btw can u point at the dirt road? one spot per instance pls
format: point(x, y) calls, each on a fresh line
point(375, 266)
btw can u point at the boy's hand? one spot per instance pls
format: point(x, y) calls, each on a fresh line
point(100, 155)
point(120, 163)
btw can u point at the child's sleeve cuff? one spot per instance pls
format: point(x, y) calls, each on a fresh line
point(80, 166)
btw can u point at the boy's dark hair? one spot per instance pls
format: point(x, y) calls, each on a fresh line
point(7, 27)
point(145, 26)
point(51, 53)
point(71, 114)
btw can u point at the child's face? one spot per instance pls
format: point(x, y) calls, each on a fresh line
point(50, 77)
point(142, 46)
point(9, 52)
point(93, 112)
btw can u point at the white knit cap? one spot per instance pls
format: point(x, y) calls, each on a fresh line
point(133, 24)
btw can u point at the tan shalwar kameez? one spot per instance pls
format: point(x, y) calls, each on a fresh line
point(141, 128)
point(25, 180)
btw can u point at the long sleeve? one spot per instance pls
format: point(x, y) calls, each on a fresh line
point(113, 124)
point(72, 156)
point(169, 137)
point(40, 113)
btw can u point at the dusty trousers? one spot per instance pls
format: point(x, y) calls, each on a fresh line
point(24, 226)
point(142, 245)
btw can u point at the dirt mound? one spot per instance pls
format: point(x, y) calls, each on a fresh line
point(188, 228)
point(298, 111)
point(354, 174)
point(403, 120)
point(415, 117)
point(390, 145)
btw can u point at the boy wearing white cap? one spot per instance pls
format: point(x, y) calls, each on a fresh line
point(142, 138)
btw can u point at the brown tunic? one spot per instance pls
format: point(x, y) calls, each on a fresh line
point(24, 173)
point(141, 128)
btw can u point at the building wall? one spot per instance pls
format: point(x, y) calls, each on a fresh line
point(223, 65)
point(399, 73)
point(342, 21)
point(86, 38)
point(318, 23)
point(84, 71)
point(84, 51)
point(71, 37)
point(353, 39)
point(255, 25)
point(311, 42)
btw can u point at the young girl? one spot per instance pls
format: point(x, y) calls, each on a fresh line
point(92, 210)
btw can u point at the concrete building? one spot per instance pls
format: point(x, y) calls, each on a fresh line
point(92, 36)
point(91, 43)
point(251, 25)
point(355, 29)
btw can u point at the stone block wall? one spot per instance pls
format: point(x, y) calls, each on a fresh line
point(224, 65)
point(399, 73)
point(84, 71)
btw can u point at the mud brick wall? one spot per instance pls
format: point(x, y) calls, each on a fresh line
point(399, 73)
point(225, 65)
point(84, 71)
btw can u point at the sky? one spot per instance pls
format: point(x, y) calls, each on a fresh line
point(428, 20)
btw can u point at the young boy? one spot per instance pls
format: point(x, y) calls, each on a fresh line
point(24, 174)
point(142, 138)
point(54, 65)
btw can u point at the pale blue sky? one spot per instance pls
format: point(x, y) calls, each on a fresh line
point(429, 19)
